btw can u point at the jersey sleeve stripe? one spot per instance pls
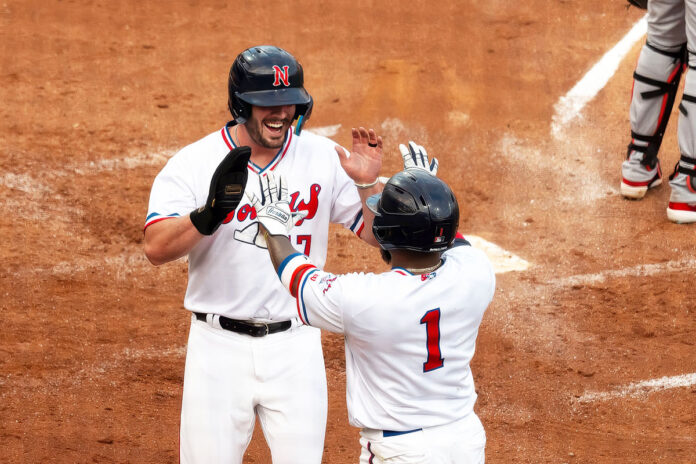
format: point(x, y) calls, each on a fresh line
point(158, 218)
point(359, 232)
point(302, 312)
point(299, 312)
point(358, 219)
point(298, 274)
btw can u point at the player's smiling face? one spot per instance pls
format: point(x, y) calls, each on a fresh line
point(268, 124)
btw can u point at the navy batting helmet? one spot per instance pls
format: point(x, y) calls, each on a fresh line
point(267, 76)
point(416, 211)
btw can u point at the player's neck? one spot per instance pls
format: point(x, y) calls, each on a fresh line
point(260, 155)
point(414, 261)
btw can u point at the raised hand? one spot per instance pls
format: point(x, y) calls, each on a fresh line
point(365, 160)
point(415, 157)
point(226, 191)
point(273, 208)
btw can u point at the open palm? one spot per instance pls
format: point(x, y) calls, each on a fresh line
point(365, 160)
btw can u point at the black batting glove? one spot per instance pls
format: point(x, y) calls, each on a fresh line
point(226, 191)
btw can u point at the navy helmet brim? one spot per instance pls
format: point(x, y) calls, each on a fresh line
point(276, 97)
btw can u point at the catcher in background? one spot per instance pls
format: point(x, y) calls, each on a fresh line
point(410, 333)
point(669, 49)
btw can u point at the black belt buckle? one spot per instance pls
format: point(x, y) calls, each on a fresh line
point(260, 329)
point(250, 328)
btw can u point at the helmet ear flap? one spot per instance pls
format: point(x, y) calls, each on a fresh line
point(302, 114)
point(308, 111)
point(240, 109)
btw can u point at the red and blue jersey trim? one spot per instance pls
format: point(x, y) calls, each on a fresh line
point(306, 272)
point(358, 224)
point(285, 262)
point(157, 217)
point(225, 132)
point(402, 271)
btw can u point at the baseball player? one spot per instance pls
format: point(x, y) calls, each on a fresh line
point(410, 333)
point(247, 354)
point(669, 49)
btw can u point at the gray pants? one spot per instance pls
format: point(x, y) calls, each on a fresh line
point(671, 24)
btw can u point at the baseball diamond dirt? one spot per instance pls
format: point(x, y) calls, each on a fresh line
point(588, 356)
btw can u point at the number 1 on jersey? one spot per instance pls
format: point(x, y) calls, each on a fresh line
point(431, 319)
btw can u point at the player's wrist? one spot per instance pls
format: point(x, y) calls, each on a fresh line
point(273, 228)
point(366, 185)
point(205, 220)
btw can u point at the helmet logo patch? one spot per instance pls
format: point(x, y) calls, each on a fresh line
point(281, 75)
point(440, 237)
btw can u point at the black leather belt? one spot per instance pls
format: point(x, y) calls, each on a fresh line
point(254, 329)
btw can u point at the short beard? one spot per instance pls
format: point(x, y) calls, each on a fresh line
point(253, 127)
point(386, 256)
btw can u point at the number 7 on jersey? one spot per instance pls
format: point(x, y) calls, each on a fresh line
point(431, 319)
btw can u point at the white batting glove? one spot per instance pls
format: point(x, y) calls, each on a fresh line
point(273, 208)
point(415, 157)
point(251, 235)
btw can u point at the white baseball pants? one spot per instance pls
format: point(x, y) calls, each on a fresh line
point(230, 378)
point(460, 442)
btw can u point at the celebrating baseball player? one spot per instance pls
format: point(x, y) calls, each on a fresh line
point(410, 333)
point(247, 353)
point(667, 52)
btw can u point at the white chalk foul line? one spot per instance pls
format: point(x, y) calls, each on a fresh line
point(132, 261)
point(570, 105)
point(640, 270)
point(642, 388)
point(502, 260)
point(326, 131)
point(114, 164)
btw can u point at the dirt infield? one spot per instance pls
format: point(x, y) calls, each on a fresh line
point(97, 95)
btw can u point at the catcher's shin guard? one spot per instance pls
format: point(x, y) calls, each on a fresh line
point(656, 81)
point(682, 202)
point(646, 90)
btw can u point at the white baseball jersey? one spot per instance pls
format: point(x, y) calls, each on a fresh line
point(228, 274)
point(408, 338)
